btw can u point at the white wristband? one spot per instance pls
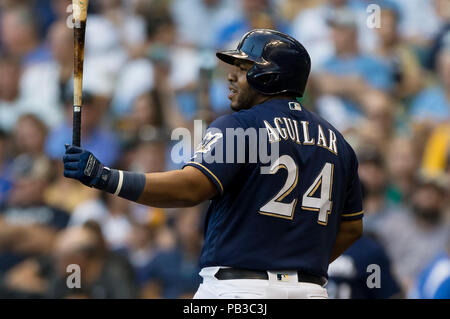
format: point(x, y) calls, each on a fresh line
point(119, 185)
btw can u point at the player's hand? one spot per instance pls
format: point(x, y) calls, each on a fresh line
point(82, 165)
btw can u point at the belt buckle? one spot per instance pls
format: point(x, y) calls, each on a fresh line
point(283, 276)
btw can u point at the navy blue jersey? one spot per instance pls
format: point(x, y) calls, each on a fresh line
point(349, 273)
point(283, 213)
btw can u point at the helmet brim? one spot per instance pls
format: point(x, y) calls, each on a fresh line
point(231, 56)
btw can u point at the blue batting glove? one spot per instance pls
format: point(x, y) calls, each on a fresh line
point(82, 165)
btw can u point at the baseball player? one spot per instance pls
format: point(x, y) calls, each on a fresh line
point(272, 228)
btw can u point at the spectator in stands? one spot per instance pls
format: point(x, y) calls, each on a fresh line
point(434, 281)
point(255, 14)
point(28, 226)
point(348, 75)
point(413, 238)
point(374, 179)
point(141, 251)
point(408, 73)
point(188, 226)
point(20, 37)
point(377, 128)
point(104, 275)
point(349, 273)
point(402, 159)
point(29, 136)
point(94, 135)
point(311, 28)
point(176, 68)
point(129, 28)
point(432, 105)
point(152, 118)
point(436, 156)
point(43, 84)
point(112, 215)
point(5, 169)
point(442, 39)
point(414, 13)
point(10, 105)
point(212, 13)
point(165, 258)
point(145, 122)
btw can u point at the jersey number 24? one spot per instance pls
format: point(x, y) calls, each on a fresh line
point(322, 204)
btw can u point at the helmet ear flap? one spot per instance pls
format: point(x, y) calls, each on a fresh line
point(267, 79)
point(263, 82)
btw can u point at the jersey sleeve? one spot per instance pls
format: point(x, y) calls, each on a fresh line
point(218, 154)
point(353, 209)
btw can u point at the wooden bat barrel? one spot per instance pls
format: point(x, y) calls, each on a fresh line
point(79, 16)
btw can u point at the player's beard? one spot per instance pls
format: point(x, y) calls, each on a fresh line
point(244, 99)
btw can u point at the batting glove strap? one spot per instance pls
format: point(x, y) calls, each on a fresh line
point(93, 171)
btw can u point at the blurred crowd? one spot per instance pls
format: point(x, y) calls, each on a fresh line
point(150, 67)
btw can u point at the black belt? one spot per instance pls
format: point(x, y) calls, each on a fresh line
point(234, 273)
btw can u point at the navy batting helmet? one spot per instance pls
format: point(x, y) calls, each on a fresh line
point(281, 63)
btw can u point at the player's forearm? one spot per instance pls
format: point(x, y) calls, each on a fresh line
point(172, 189)
point(179, 188)
point(349, 232)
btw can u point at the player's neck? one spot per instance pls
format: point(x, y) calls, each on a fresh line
point(266, 98)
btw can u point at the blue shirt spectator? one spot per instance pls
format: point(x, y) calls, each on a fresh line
point(344, 79)
point(373, 71)
point(254, 15)
point(170, 269)
point(310, 27)
point(376, 73)
point(5, 184)
point(6, 178)
point(233, 31)
point(434, 282)
point(103, 142)
point(431, 104)
point(26, 211)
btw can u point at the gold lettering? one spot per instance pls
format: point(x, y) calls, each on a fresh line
point(297, 136)
point(306, 138)
point(321, 141)
point(273, 135)
point(289, 127)
point(332, 144)
point(282, 131)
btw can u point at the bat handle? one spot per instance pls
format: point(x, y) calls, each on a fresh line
point(76, 133)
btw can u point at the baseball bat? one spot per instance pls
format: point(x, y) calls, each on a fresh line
point(80, 8)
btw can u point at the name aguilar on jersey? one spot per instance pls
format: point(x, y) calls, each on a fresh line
point(229, 146)
point(284, 128)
